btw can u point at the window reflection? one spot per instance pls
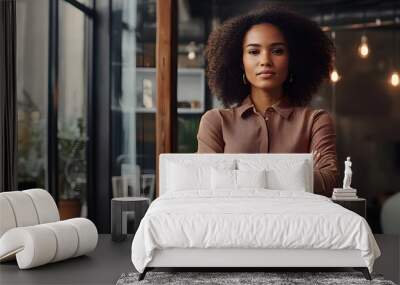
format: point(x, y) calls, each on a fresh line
point(72, 111)
point(133, 98)
point(31, 65)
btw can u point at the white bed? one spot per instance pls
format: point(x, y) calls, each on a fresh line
point(247, 226)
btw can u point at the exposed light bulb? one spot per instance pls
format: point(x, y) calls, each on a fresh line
point(335, 77)
point(191, 55)
point(394, 79)
point(363, 49)
point(191, 49)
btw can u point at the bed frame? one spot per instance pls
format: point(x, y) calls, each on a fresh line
point(246, 258)
point(243, 259)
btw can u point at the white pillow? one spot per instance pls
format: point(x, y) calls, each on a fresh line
point(223, 179)
point(251, 178)
point(189, 176)
point(292, 175)
point(236, 179)
point(292, 179)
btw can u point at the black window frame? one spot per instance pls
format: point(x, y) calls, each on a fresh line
point(53, 93)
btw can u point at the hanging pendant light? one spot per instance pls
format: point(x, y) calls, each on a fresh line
point(394, 79)
point(191, 49)
point(335, 77)
point(363, 48)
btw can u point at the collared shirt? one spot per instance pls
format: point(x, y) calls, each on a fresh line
point(281, 129)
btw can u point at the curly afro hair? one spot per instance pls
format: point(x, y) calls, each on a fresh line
point(310, 55)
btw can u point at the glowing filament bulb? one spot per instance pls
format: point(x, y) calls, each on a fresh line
point(191, 50)
point(335, 76)
point(363, 49)
point(191, 55)
point(395, 79)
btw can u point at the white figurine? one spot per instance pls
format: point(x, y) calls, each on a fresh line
point(347, 174)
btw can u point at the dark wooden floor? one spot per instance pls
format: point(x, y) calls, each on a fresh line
point(110, 260)
point(103, 266)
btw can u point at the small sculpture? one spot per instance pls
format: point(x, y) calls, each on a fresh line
point(347, 174)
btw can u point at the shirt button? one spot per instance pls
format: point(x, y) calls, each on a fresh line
point(266, 118)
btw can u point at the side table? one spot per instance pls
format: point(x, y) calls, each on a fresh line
point(357, 205)
point(122, 209)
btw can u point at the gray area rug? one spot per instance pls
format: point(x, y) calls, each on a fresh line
point(228, 278)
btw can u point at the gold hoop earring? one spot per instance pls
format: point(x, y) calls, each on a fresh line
point(244, 79)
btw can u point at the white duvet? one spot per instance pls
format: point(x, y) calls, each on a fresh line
point(252, 218)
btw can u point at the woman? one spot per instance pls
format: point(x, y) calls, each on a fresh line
point(265, 66)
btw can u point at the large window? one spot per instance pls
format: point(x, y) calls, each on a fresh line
point(54, 42)
point(133, 85)
point(32, 87)
point(74, 44)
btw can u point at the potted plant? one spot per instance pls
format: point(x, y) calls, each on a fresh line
point(72, 169)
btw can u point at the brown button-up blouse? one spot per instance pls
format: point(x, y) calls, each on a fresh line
point(282, 129)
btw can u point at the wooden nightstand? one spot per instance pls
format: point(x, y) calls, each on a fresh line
point(357, 205)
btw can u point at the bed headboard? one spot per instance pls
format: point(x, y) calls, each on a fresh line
point(212, 158)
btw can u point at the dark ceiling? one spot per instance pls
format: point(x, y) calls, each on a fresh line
point(196, 17)
point(363, 9)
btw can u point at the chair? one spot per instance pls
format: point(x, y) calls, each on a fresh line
point(31, 231)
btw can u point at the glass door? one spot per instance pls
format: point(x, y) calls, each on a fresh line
point(74, 54)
